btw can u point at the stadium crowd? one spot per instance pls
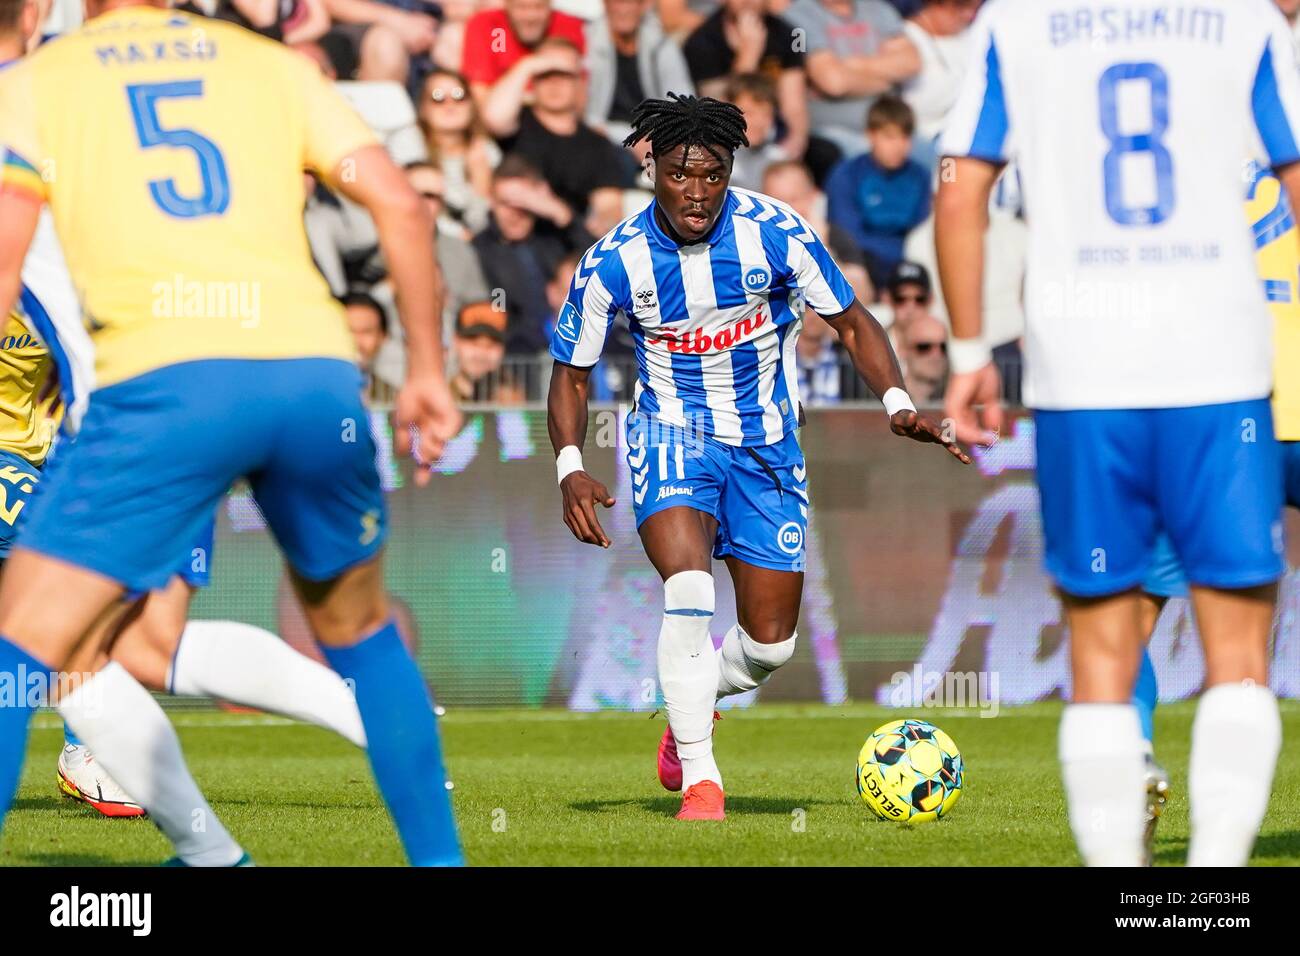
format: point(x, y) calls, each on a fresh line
point(509, 117)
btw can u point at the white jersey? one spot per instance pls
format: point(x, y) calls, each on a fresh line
point(49, 305)
point(715, 322)
point(1129, 121)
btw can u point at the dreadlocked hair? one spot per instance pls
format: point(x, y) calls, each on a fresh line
point(685, 120)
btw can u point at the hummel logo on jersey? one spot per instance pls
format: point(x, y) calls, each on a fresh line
point(645, 299)
point(667, 491)
point(699, 343)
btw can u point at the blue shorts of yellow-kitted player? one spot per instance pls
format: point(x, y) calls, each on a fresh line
point(19, 480)
point(156, 453)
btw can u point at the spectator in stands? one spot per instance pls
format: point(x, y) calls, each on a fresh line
point(792, 183)
point(856, 51)
point(939, 32)
point(531, 230)
point(497, 41)
point(925, 358)
point(817, 361)
point(681, 17)
point(581, 166)
point(288, 21)
point(462, 277)
point(458, 144)
point(741, 38)
point(474, 367)
point(909, 295)
point(343, 240)
point(449, 47)
point(882, 195)
point(630, 58)
point(755, 95)
point(368, 323)
point(373, 40)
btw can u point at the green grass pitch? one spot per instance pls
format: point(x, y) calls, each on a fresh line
point(553, 788)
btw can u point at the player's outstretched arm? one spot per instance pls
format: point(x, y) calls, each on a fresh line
point(874, 358)
point(566, 420)
point(406, 237)
point(961, 217)
point(19, 212)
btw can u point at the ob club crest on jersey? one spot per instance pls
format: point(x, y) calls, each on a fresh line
point(757, 280)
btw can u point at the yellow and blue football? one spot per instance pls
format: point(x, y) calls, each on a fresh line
point(910, 771)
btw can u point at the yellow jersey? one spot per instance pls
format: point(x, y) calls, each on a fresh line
point(27, 423)
point(1277, 257)
point(171, 150)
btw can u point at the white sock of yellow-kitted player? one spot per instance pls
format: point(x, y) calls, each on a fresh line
point(252, 667)
point(131, 736)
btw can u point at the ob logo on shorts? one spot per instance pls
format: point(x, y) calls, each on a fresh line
point(757, 280)
point(789, 537)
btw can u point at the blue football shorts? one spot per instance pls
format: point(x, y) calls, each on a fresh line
point(758, 494)
point(156, 453)
point(19, 479)
point(1166, 577)
point(1208, 476)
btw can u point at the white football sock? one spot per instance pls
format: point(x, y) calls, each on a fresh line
point(1229, 797)
point(744, 664)
point(131, 737)
point(1104, 767)
point(250, 666)
point(688, 672)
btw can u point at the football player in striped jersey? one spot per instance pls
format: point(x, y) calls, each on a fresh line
point(713, 281)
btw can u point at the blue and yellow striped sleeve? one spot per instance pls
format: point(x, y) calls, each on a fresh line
point(19, 149)
point(19, 175)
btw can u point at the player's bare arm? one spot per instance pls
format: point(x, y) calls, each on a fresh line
point(20, 212)
point(406, 237)
point(973, 399)
point(874, 358)
point(566, 421)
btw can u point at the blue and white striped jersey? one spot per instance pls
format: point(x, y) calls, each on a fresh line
point(714, 322)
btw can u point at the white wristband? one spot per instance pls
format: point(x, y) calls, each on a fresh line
point(567, 462)
point(968, 355)
point(896, 400)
